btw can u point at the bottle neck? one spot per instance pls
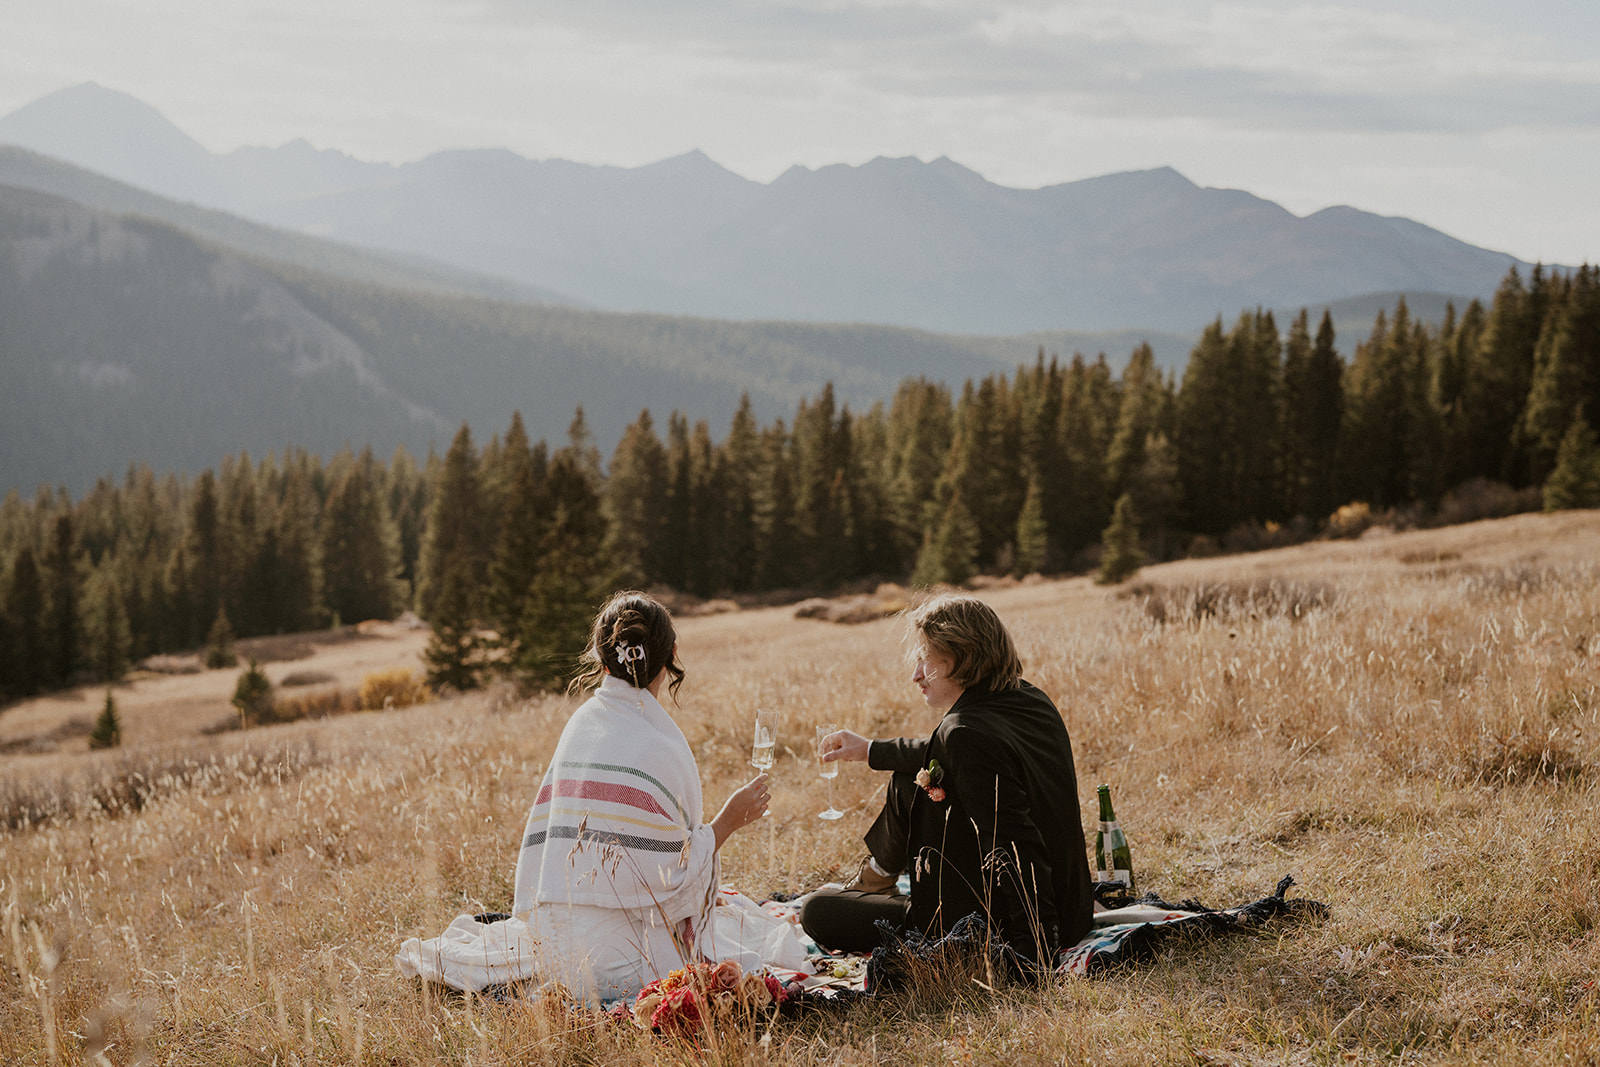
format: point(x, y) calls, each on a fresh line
point(1106, 814)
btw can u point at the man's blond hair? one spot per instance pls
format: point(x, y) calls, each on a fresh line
point(971, 634)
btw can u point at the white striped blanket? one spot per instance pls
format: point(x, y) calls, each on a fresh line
point(617, 822)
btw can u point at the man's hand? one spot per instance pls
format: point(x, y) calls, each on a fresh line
point(844, 745)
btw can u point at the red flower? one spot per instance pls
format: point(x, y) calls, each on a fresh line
point(936, 793)
point(678, 1012)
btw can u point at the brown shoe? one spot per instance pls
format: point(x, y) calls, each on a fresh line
point(868, 880)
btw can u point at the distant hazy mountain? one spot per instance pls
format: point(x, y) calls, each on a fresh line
point(125, 338)
point(931, 245)
point(28, 170)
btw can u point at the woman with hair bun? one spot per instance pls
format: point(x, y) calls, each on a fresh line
point(617, 872)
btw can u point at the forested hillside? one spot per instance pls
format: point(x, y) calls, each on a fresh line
point(123, 337)
point(1267, 432)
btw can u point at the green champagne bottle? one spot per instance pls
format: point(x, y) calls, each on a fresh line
point(1112, 859)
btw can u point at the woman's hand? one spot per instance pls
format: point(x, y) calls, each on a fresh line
point(844, 745)
point(747, 804)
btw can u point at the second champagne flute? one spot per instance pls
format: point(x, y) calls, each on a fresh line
point(829, 771)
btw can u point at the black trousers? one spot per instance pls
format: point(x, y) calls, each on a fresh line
point(845, 920)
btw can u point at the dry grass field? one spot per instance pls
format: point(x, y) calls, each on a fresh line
point(1409, 724)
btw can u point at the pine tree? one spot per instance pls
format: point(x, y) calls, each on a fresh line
point(1122, 557)
point(517, 561)
point(824, 524)
point(635, 502)
point(252, 695)
point(1566, 371)
point(456, 542)
point(360, 550)
point(219, 642)
point(949, 549)
point(705, 574)
point(1041, 460)
point(918, 445)
point(246, 585)
point(741, 464)
point(566, 591)
point(676, 533)
point(775, 511)
point(1392, 432)
point(10, 682)
point(63, 629)
point(454, 653)
point(107, 732)
point(1143, 399)
point(296, 573)
point(204, 553)
point(1033, 535)
point(875, 549)
point(109, 638)
point(180, 628)
point(561, 602)
point(1311, 407)
point(24, 610)
point(1155, 489)
point(1499, 372)
point(1457, 342)
point(408, 504)
point(1575, 481)
point(1083, 435)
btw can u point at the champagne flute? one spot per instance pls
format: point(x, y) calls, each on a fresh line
point(765, 745)
point(828, 771)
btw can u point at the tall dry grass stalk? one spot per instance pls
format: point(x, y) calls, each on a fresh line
point(1417, 745)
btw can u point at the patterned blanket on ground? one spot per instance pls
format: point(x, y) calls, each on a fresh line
point(1134, 934)
point(1121, 937)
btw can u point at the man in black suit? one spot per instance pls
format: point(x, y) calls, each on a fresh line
point(984, 813)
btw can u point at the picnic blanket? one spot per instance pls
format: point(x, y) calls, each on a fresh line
point(1124, 936)
point(1120, 937)
point(772, 941)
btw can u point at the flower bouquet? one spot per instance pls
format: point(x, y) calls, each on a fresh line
point(700, 995)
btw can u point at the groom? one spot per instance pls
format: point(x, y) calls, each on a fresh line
point(984, 813)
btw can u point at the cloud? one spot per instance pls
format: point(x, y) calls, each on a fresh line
point(1269, 65)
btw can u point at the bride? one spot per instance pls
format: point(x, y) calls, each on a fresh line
point(617, 874)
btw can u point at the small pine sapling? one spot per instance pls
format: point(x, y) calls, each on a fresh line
point(107, 728)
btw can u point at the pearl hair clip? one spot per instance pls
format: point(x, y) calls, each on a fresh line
point(629, 653)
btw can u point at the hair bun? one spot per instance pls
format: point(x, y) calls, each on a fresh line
point(633, 639)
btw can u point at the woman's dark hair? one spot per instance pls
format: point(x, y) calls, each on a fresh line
point(632, 640)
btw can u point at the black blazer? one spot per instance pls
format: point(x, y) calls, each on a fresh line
point(1007, 839)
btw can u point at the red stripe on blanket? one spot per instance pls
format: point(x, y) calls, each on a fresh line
point(610, 792)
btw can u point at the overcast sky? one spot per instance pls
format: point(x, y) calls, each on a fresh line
point(1480, 118)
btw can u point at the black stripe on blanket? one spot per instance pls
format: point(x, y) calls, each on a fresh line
point(571, 833)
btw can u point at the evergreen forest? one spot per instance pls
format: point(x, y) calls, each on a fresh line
point(506, 544)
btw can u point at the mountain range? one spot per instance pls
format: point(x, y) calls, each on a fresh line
point(164, 304)
point(894, 241)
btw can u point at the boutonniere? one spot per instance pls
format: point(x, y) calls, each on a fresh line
point(929, 778)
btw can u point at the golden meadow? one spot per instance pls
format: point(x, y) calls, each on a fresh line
point(1407, 723)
